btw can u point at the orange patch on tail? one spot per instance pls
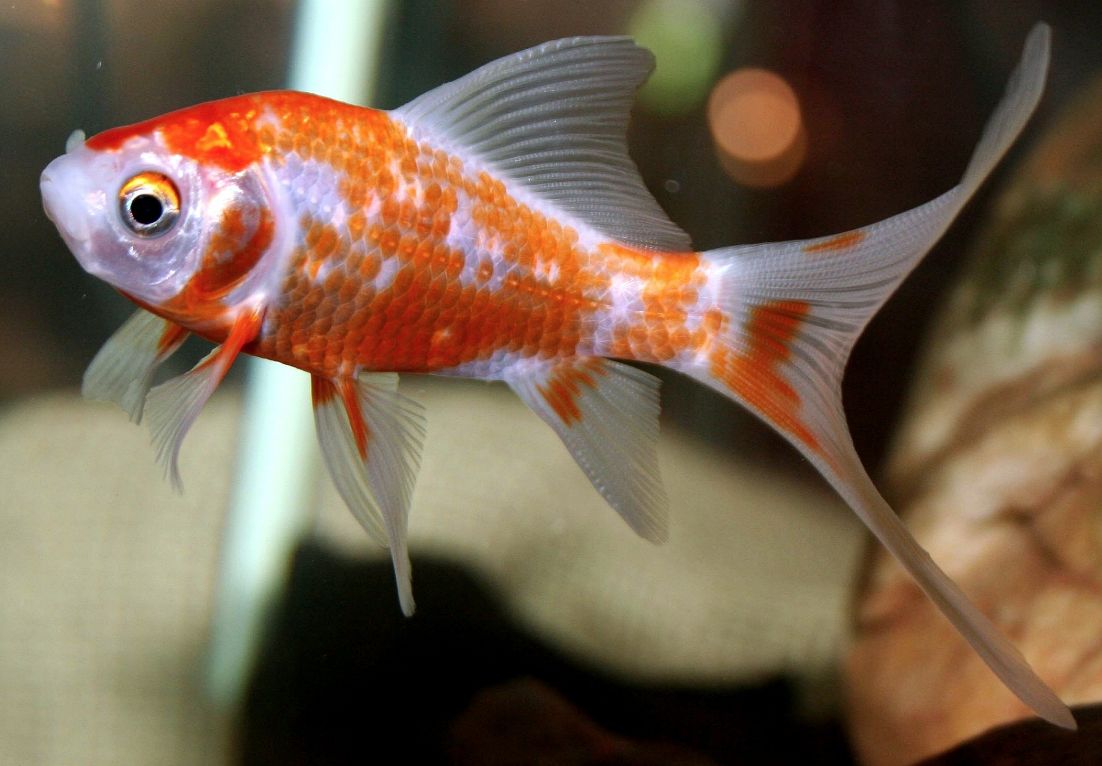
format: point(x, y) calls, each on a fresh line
point(756, 375)
point(564, 386)
point(836, 243)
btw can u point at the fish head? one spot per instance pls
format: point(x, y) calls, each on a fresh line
point(163, 213)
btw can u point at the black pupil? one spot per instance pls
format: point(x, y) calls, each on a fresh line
point(146, 209)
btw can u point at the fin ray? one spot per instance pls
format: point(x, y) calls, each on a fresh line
point(606, 413)
point(370, 437)
point(175, 404)
point(553, 119)
point(122, 370)
point(790, 314)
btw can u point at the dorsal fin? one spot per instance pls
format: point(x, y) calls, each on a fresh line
point(553, 119)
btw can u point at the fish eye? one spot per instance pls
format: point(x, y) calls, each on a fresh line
point(149, 204)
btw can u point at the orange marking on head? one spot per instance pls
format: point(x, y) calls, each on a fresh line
point(839, 242)
point(219, 132)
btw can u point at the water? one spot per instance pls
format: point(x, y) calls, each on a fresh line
point(105, 576)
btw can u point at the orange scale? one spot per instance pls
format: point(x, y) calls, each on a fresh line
point(369, 268)
point(408, 214)
point(366, 348)
point(384, 183)
point(388, 242)
point(348, 292)
point(299, 336)
point(677, 317)
point(550, 340)
point(379, 304)
point(714, 321)
point(554, 228)
point(321, 326)
point(315, 344)
point(680, 338)
point(411, 313)
point(663, 353)
point(407, 244)
point(450, 298)
point(620, 349)
point(531, 333)
point(450, 200)
point(360, 317)
point(422, 255)
point(389, 210)
point(355, 195)
point(402, 280)
point(326, 242)
point(456, 261)
point(343, 313)
point(357, 222)
point(266, 137)
point(333, 282)
point(376, 318)
point(312, 299)
point(312, 235)
point(637, 335)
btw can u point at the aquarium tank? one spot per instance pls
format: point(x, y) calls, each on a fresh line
point(248, 618)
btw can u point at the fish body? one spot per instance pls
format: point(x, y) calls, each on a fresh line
point(493, 228)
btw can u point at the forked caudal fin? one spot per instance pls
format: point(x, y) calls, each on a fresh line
point(788, 318)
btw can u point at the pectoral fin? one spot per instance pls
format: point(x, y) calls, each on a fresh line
point(122, 370)
point(370, 436)
point(607, 415)
point(175, 404)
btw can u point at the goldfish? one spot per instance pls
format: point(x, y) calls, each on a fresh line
point(493, 228)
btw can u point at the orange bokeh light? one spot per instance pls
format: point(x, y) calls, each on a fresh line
point(755, 119)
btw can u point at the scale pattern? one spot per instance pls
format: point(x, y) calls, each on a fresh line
point(410, 258)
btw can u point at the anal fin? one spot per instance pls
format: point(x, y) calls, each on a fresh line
point(606, 413)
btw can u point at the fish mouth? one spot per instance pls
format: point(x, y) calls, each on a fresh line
point(62, 204)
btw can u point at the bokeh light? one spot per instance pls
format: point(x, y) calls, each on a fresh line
point(686, 38)
point(756, 122)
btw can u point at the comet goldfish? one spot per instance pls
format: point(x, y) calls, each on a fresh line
point(493, 228)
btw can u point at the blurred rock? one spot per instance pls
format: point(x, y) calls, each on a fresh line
point(525, 721)
point(1031, 743)
point(998, 469)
